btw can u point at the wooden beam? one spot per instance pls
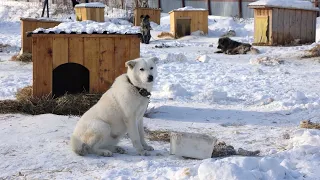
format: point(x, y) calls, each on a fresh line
point(209, 6)
point(240, 8)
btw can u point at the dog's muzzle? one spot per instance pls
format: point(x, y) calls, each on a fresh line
point(150, 78)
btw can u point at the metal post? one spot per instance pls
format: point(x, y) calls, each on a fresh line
point(209, 7)
point(240, 8)
point(47, 8)
point(183, 3)
point(159, 4)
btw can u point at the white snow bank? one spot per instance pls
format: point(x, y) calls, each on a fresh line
point(285, 4)
point(91, 5)
point(266, 61)
point(91, 26)
point(174, 90)
point(189, 8)
point(173, 57)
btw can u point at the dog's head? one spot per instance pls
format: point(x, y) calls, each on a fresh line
point(145, 18)
point(223, 42)
point(142, 71)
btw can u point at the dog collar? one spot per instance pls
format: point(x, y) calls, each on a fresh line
point(142, 91)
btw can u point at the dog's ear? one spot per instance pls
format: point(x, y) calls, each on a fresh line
point(141, 16)
point(131, 64)
point(147, 16)
point(155, 59)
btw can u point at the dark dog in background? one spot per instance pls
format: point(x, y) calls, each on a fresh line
point(145, 29)
point(229, 46)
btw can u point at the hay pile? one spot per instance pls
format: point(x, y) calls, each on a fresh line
point(75, 104)
point(309, 125)
point(157, 135)
point(314, 52)
point(24, 57)
point(221, 149)
point(166, 35)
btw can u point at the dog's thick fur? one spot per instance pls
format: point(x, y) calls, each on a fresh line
point(120, 110)
point(145, 28)
point(144, 3)
point(229, 46)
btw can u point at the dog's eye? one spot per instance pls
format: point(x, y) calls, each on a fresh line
point(151, 68)
point(141, 69)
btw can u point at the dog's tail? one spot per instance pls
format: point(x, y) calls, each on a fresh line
point(78, 146)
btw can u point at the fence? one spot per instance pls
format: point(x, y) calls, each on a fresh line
point(235, 8)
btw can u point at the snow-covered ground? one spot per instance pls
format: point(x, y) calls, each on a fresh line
point(234, 98)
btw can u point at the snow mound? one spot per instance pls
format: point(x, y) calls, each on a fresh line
point(212, 96)
point(173, 57)
point(249, 168)
point(203, 58)
point(91, 5)
point(189, 8)
point(174, 90)
point(266, 61)
point(298, 4)
point(197, 33)
point(90, 27)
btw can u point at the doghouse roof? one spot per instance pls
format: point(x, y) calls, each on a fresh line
point(91, 5)
point(89, 27)
point(188, 8)
point(288, 4)
point(45, 20)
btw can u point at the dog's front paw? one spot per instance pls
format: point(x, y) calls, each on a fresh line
point(144, 153)
point(120, 150)
point(148, 148)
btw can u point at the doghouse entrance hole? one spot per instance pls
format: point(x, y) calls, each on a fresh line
point(70, 78)
point(183, 27)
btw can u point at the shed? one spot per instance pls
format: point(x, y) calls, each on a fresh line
point(184, 21)
point(30, 24)
point(154, 14)
point(76, 63)
point(276, 25)
point(90, 11)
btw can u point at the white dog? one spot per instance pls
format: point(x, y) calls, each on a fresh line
point(120, 110)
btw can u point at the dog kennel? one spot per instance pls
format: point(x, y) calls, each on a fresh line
point(184, 22)
point(284, 26)
point(90, 11)
point(74, 63)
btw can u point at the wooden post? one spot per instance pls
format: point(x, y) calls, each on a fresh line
point(240, 8)
point(137, 3)
point(183, 3)
point(209, 7)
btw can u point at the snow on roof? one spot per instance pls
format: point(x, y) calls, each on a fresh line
point(44, 19)
point(297, 4)
point(89, 27)
point(91, 5)
point(189, 8)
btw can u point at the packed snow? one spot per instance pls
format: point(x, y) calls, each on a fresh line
point(251, 101)
point(297, 4)
point(90, 27)
point(189, 8)
point(91, 5)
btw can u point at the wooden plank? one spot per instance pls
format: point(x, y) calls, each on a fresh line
point(270, 27)
point(75, 50)
point(172, 23)
point(106, 63)
point(85, 35)
point(292, 25)
point(280, 29)
point(60, 51)
point(43, 74)
point(35, 64)
point(304, 24)
point(286, 26)
point(314, 28)
point(298, 24)
point(256, 29)
point(134, 48)
point(121, 55)
point(91, 62)
point(310, 30)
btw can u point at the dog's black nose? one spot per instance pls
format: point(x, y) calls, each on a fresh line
point(150, 78)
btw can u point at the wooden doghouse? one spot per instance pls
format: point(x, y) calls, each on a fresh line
point(74, 63)
point(284, 26)
point(90, 11)
point(184, 22)
point(30, 24)
point(154, 14)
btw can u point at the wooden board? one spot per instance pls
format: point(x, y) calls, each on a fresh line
point(292, 25)
point(261, 29)
point(106, 63)
point(275, 14)
point(280, 29)
point(298, 24)
point(309, 28)
point(94, 14)
point(75, 50)
point(60, 52)
point(286, 27)
point(304, 27)
point(42, 84)
point(155, 15)
point(91, 62)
